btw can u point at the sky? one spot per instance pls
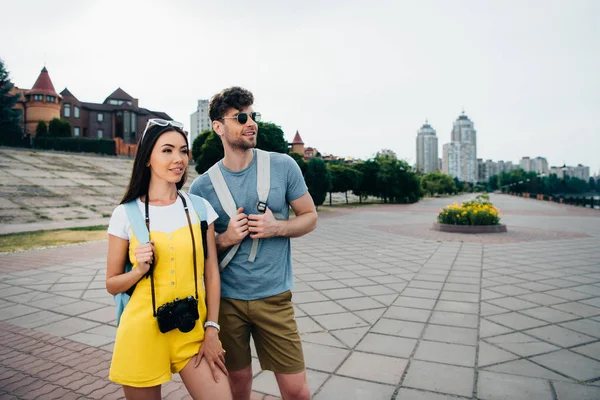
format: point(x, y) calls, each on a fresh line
point(353, 77)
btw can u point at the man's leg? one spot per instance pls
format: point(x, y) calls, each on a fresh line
point(241, 383)
point(235, 338)
point(293, 386)
point(278, 344)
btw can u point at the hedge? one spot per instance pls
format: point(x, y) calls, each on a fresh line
point(102, 146)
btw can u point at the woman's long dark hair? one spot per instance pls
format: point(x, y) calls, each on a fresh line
point(140, 175)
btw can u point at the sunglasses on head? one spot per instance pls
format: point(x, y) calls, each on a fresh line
point(242, 117)
point(161, 122)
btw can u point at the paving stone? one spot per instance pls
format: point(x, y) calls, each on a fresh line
point(582, 310)
point(446, 353)
point(375, 290)
point(321, 307)
point(525, 368)
point(570, 364)
point(512, 303)
point(324, 338)
point(16, 311)
point(371, 316)
point(67, 327)
point(387, 345)
point(308, 297)
point(373, 367)
point(399, 328)
point(590, 350)
point(344, 293)
point(587, 326)
point(488, 328)
point(36, 319)
point(451, 334)
point(516, 321)
point(323, 358)
point(459, 296)
point(559, 336)
point(571, 391)
point(350, 337)
point(339, 321)
point(307, 325)
point(497, 386)
point(407, 314)
point(424, 293)
point(489, 355)
point(447, 379)
point(341, 388)
point(415, 302)
point(457, 306)
point(412, 394)
point(357, 304)
point(543, 299)
point(521, 344)
point(549, 314)
point(454, 319)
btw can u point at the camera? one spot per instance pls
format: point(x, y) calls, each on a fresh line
point(181, 314)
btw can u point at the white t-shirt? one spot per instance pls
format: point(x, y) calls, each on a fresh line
point(162, 218)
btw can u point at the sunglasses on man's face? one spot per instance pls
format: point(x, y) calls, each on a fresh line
point(242, 117)
point(161, 122)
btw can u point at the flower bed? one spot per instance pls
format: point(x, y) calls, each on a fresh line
point(467, 216)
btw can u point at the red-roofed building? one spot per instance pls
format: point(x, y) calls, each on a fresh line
point(297, 144)
point(40, 103)
point(119, 117)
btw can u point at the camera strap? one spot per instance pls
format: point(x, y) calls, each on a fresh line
point(151, 270)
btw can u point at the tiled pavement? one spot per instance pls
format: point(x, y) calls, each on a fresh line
point(384, 312)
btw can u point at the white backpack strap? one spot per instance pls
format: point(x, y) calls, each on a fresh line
point(263, 185)
point(227, 202)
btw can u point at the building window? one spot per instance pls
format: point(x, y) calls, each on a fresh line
point(38, 97)
point(76, 111)
point(50, 99)
point(76, 131)
point(100, 133)
point(67, 111)
point(100, 117)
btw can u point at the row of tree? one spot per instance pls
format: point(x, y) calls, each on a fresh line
point(385, 177)
point(11, 133)
point(519, 181)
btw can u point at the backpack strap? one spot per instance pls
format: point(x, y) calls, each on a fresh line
point(137, 221)
point(200, 209)
point(227, 202)
point(263, 185)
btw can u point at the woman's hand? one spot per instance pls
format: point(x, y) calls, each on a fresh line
point(144, 255)
point(213, 352)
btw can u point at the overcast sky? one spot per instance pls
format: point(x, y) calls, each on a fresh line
point(352, 77)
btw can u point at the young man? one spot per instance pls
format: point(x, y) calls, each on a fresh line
point(255, 295)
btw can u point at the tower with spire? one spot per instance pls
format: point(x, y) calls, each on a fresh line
point(40, 103)
point(297, 145)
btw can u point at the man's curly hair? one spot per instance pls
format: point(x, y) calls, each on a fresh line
point(233, 97)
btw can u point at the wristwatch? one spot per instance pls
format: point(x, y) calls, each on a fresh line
point(213, 324)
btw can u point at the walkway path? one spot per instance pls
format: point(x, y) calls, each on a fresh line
point(387, 309)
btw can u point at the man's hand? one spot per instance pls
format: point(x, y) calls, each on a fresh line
point(262, 226)
point(237, 229)
point(213, 352)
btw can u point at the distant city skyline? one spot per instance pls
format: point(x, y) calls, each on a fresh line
point(352, 78)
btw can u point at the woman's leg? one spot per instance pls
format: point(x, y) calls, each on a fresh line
point(136, 393)
point(200, 383)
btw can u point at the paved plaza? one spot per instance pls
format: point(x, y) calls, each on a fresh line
point(387, 309)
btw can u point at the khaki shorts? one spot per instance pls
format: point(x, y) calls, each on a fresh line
point(273, 327)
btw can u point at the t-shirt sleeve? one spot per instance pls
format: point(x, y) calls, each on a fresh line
point(211, 214)
point(119, 223)
point(196, 187)
point(296, 187)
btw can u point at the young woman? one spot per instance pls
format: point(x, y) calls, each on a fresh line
point(165, 272)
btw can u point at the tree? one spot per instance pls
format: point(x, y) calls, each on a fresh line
point(199, 141)
point(318, 180)
point(10, 130)
point(367, 184)
point(437, 183)
point(299, 158)
point(270, 138)
point(41, 129)
point(342, 179)
point(59, 128)
point(396, 182)
point(592, 184)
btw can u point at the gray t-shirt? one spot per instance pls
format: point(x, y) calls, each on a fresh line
point(271, 272)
